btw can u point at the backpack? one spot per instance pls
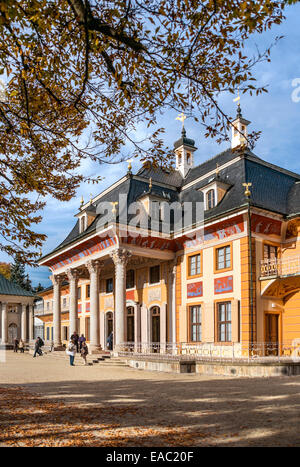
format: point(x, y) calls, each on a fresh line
point(41, 343)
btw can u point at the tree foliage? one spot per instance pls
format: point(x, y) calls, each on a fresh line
point(81, 75)
point(5, 269)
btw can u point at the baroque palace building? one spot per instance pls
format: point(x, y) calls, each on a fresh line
point(224, 281)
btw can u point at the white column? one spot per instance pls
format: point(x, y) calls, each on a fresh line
point(137, 327)
point(172, 301)
point(56, 281)
point(73, 306)
point(23, 323)
point(4, 323)
point(94, 268)
point(31, 323)
point(120, 257)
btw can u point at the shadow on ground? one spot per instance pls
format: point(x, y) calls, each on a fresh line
point(154, 412)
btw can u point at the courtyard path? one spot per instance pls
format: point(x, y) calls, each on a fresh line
point(45, 402)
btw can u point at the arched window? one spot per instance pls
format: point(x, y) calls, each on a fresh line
point(188, 158)
point(210, 199)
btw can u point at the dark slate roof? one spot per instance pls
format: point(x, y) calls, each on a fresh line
point(10, 288)
point(273, 188)
point(161, 175)
point(293, 203)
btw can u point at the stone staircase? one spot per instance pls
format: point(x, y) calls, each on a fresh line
point(104, 359)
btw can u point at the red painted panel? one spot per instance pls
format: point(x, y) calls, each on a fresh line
point(194, 290)
point(130, 295)
point(224, 284)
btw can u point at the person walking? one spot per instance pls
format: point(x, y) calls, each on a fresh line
point(71, 351)
point(21, 346)
point(82, 339)
point(16, 344)
point(75, 338)
point(38, 346)
point(84, 352)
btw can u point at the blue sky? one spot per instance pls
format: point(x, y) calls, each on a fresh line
point(274, 113)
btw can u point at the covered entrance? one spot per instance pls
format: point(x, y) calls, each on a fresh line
point(130, 324)
point(12, 333)
point(271, 333)
point(109, 329)
point(155, 327)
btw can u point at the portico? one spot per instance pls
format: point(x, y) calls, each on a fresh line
point(113, 306)
point(16, 313)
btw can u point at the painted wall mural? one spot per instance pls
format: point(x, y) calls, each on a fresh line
point(75, 254)
point(265, 225)
point(224, 284)
point(219, 231)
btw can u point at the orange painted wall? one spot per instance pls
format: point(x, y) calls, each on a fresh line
point(291, 319)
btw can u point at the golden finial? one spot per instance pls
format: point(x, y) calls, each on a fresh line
point(150, 184)
point(114, 204)
point(129, 161)
point(247, 191)
point(238, 99)
point(81, 202)
point(40, 253)
point(181, 117)
point(91, 198)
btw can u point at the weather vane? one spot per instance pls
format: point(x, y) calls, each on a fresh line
point(181, 117)
point(238, 98)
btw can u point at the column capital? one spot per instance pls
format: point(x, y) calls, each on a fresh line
point(120, 256)
point(72, 274)
point(172, 267)
point(94, 265)
point(56, 279)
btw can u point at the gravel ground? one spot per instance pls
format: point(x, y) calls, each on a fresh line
point(46, 402)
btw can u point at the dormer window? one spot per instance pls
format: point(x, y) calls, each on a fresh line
point(214, 192)
point(210, 199)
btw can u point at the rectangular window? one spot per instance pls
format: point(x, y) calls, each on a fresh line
point(194, 265)
point(109, 285)
point(154, 274)
point(48, 306)
point(270, 252)
point(130, 279)
point(87, 291)
point(52, 333)
point(195, 323)
point(79, 293)
point(48, 334)
point(224, 321)
point(223, 258)
point(64, 302)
